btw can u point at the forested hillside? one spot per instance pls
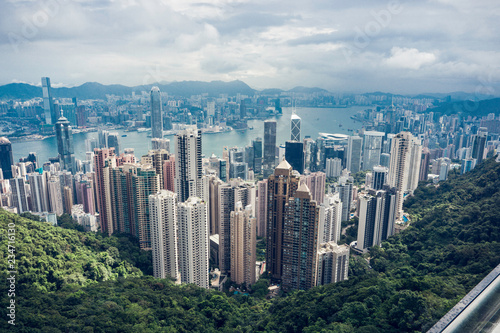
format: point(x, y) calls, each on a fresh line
point(76, 282)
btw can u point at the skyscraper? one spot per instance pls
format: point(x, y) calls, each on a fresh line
point(158, 143)
point(377, 214)
point(280, 186)
point(333, 167)
point(379, 177)
point(6, 159)
point(102, 164)
point(316, 183)
point(295, 127)
point(330, 218)
point(261, 207)
point(48, 102)
point(243, 245)
point(169, 173)
point(372, 148)
point(163, 214)
point(229, 195)
point(19, 195)
point(300, 241)
point(257, 155)
point(405, 166)
point(39, 194)
point(294, 154)
point(64, 136)
point(478, 144)
point(269, 157)
point(333, 263)
point(424, 164)
point(193, 241)
point(55, 195)
point(114, 142)
point(145, 181)
point(344, 188)
point(188, 167)
point(354, 149)
point(156, 113)
point(68, 199)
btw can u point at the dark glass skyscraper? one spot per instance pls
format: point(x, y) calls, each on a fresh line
point(269, 147)
point(64, 137)
point(188, 166)
point(294, 154)
point(156, 114)
point(6, 159)
point(257, 155)
point(48, 102)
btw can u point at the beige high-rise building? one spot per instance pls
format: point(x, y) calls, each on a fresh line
point(404, 168)
point(68, 199)
point(163, 215)
point(243, 245)
point(104, 160)
point(300, 241)
point(214, 184)
point(280, 187)
point(193, 242)
point(55, 195)
point(229, 194)
point(316, 183)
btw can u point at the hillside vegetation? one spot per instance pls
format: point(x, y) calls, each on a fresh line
point(76, 282)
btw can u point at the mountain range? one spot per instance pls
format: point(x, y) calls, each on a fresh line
point(95, 90)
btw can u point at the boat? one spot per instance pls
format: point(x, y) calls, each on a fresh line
point(124, 135)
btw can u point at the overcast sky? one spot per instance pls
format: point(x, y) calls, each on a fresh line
point(342, 46)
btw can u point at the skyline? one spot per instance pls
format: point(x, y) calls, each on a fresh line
point(395, 46)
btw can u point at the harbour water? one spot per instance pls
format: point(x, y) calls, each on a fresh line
point(314, 121)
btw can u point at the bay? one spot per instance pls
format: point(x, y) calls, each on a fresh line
point(314, 121)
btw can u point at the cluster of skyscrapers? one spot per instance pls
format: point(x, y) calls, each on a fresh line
point(195, 213)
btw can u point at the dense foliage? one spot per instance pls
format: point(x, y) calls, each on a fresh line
point(71, 281)
point(467, 108)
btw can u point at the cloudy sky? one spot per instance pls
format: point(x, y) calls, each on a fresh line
point(346, 46)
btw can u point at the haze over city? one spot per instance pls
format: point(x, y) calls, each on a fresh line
point(393, 46)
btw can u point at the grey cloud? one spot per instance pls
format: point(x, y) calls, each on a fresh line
point(260, 42)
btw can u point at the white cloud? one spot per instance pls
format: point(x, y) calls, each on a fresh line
point(409, 58)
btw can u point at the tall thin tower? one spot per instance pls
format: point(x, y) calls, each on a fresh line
point(269, 157)
point(64, 135)
point(48, 102)
point(404, 168)
point(280, 186)
point(193, 241)
point(188, 167)
point(6, 159)
point(243, 236)
point(295, 128)
point(156, 114)
point(163, 213)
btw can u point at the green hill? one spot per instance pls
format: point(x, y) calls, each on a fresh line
point(70, 281)
point(467, 108)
